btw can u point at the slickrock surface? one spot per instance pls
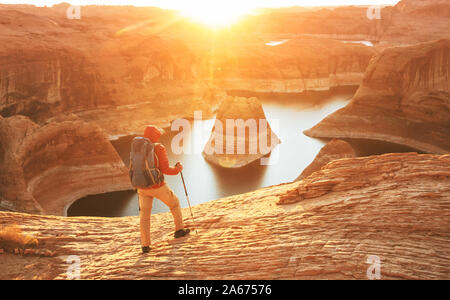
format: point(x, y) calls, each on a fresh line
point(335, 149)
point(395, 206)
point(46, 168)
point(241, 134)
point(404, 99)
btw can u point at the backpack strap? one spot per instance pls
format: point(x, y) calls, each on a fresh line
point(157, 158)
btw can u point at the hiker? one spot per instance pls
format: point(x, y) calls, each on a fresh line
point(155, 167)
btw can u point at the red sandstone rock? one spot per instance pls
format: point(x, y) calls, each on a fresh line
point(394, 206)
point(404, 99)
point(335, 149)
point(121, 79)
point(244, 142)
point(297, 65)
point(46, 168)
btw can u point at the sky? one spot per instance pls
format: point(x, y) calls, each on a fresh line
point(177, 4)
point(216, 13)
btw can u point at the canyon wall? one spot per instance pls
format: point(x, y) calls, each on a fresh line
point(293, 66)
point(404, 99)
point(14, 194)
point(407, 22)
point(327, 226)
point(122, 68)
point(97, 68)
point(46, 168)
point(114, 63)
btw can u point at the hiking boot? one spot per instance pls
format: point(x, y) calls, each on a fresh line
point(181, 232)
point(146, 249)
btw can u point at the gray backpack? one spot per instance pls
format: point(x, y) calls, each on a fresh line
point(143, 171)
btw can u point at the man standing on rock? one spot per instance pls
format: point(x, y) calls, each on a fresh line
point(162, 191)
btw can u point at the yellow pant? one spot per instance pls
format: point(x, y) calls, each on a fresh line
point(168, 197)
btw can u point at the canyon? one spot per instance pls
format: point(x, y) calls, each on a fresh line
point(404, 99)
point(138, 64)
point(323, 227)
point(70, 87)
point(116, 71)
point(46, 168)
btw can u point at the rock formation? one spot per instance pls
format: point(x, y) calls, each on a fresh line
point(116, 67)
point(97, 68)
point(436, 8)
point(408, 22)
point(414, 21)
point(335, 149)
point(46, 168)
point(404, 99)
point(326, 227)
point(241, 134)
point(297, 65)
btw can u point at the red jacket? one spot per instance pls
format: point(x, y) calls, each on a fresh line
point(153, 134)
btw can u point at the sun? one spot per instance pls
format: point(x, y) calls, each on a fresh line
point(215, 13)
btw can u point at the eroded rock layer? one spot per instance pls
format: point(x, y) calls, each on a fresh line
point(46, 168)
point(293, 66)
point(335, 149)
point(393, 206)
point(404, 99)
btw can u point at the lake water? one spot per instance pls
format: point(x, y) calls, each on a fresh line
point(366, 43)
point(288, 115)
point(280, 42)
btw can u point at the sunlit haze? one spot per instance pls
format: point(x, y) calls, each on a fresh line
point(215, 13)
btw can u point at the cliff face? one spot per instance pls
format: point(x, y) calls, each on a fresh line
point(413, 21)
point(408, 22)
point(14, 194)
point(46, 168)
point(404, 99)
point(324, 227)
point(335, 149)
point(41, 81)
point(293, 66)
point(430, 8)
point(241, 134)
point(97, 67)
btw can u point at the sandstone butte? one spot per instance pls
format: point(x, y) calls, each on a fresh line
point(404, 99)
point(44, 169)
point(244, 144)
point(323, 227)
point(334, 149)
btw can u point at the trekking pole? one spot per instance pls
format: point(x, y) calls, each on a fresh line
point(189, 203)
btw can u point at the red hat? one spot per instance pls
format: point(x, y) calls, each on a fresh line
point(153, 133)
